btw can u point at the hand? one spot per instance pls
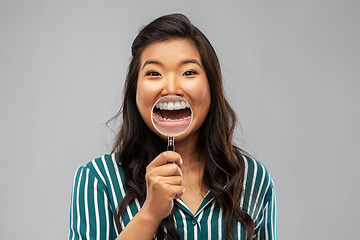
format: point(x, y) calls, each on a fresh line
point(164, 183)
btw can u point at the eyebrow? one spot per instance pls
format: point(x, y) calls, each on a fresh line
point(190, 61)
point(151, 62)
point(182, 63)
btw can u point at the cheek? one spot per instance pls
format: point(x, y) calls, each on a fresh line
point(146, 96)
point(201, 97)
point(141, 101)
point(204, 105)
point(200, 92)
point(205, 95)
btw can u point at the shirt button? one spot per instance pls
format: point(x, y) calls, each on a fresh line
point(194, 222)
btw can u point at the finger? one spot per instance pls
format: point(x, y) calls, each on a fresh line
point(179, 192)
point(166, 157)
point(174, 181)
point(167, 170)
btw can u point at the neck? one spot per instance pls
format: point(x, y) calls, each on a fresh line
point(192, 170)
point(189, 153)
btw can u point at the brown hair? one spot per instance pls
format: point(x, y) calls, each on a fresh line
point(138, 145)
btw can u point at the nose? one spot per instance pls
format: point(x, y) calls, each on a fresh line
point(172, 85)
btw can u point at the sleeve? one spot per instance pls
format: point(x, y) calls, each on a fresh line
point(267, 229)
point(90, 212)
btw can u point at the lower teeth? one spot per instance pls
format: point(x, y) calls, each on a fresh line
point(171, 120)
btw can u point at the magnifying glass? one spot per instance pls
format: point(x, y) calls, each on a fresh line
point(171, 116)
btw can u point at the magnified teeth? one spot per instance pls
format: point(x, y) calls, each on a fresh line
point(171, 106)
point(182, 105)
point(177, 105)
point(172, 120)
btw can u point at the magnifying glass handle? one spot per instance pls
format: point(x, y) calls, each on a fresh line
point(170, 146)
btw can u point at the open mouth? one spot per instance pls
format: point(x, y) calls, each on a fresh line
point(172, 110)
point(171, 115)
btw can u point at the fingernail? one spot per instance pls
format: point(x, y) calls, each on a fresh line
point(181, 161)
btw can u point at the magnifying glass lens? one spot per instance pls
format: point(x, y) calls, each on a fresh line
point(171, 115)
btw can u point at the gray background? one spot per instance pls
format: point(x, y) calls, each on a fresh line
point(291, 71)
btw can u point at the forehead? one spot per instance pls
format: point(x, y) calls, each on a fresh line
point(171, 50)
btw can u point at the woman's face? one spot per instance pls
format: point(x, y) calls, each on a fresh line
point(173, 67)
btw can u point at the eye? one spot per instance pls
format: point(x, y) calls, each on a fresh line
point(189, 73)
point(153, 73)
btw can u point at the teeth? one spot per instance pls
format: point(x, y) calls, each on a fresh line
point(177, 105)
point(182, 105)
point(171, 106)
point(171, 120)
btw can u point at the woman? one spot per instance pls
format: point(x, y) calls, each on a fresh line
point(208, 188)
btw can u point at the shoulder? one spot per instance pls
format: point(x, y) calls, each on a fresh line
point(258, 186)
point(255, 173)
point(106, 169)
point(258, 197)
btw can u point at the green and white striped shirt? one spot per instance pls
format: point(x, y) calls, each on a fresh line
point(100, 185)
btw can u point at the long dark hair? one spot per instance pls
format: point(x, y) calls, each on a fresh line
point(138, 145)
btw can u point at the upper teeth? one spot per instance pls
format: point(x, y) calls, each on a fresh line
point(172, 105)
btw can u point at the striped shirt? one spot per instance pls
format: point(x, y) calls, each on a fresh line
point(99, 186)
